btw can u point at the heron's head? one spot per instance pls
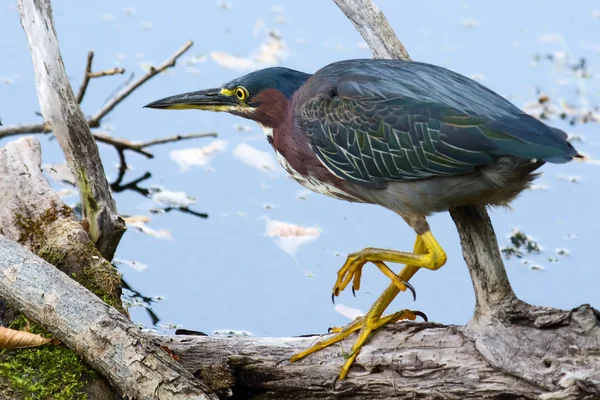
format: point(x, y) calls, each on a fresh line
point(262, 96)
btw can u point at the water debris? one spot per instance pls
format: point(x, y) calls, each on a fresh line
point(290, 237)
point(7, 81)
point(135, 265)
point(569, 178)
point(59, 173)
point(539, 186)
point(169, 199)
point(303, 195)
point(197, 157)
point(196, 59)
point(520, 244)
point(242, 128)
point(142, 227)
point(253, 157)
point(107, 17)
point(268, 206)
point(470, 23)
point(65, 193)
point(563, 252)
point(130, 10)
point(309, 274)
point(225, 5)
point(231, 333)
point(269, 53)
point(536, 267)
point(137, 219)
point(348, 312)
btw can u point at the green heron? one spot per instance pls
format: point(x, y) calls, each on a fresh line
point(412, 137)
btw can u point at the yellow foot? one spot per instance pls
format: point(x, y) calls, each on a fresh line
point(352, 271)
point(367, 325)
point(428, 254)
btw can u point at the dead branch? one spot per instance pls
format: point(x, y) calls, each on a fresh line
point(127, 90)
point(59, 107)
point(95, 120)
point(107, 340)
point(138, 147)
point(88, 74)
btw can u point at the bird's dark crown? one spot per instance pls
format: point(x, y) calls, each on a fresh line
point(285, 80)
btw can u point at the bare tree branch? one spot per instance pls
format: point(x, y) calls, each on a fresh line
point(107, 340)
point(88, 74)
point(94, 122)
point(138, 147)
point(374, 27)
point(126, 91)
point(59, 107)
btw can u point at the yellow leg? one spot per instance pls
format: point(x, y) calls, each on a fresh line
point(432, 256)
point(425, 246)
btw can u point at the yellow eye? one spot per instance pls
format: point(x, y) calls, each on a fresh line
point(241, 93)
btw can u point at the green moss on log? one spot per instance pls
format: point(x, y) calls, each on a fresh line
point(46, 372)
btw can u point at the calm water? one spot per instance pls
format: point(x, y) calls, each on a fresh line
point(223, 272)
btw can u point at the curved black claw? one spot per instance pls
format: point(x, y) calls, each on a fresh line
point(412, 289)
point(422, 315)
point(353, 292)
point(333, 298)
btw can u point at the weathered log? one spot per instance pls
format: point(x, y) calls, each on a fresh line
point(405, 360)
point(61, 110)
point(34, 215)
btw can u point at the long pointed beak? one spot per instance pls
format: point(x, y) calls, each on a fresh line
point(210, 99)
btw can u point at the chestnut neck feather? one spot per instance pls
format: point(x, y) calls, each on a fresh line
point(273, 108)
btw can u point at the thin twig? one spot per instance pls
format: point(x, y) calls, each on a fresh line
point(175, 138)
point(94, 122)
point(86, 77)
point(89, 75)
point(153, 71)
point(108, 72)
point(138, 147)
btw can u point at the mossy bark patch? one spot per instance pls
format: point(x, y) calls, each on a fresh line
point(46, 372)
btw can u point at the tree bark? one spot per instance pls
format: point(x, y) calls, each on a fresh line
point(61, 110)
point(34, 215)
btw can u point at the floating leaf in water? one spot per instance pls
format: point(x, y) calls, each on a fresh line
point(140, 225)
point(225, 5)
point(169, 199)
point(12, 339)
point(242, 128)
point(137, 219)
point(290, 237)
point(520, 243)
point(59, 173)
point(270, 52)
point(107, 17)
point(197, 157)
point(253, 157)
point(348, 312)
point(136, 265)
point(569, 178)
point(536, 267)
point(539, 186)
point(304, 195)
point(470, 23)
point(230, 61)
